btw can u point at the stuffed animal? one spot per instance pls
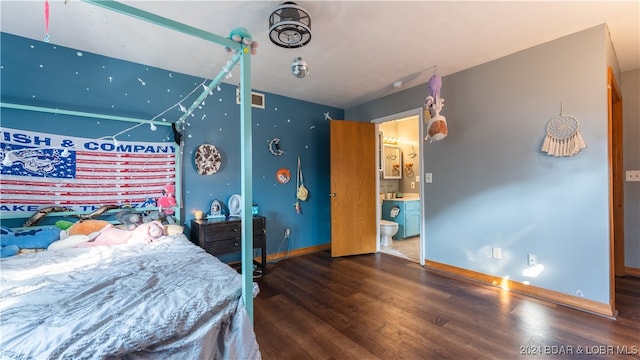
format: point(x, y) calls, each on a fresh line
point(11, 242)
point(168, 200)
point(130, 219)
point(436, 123)
point(437, 128)
point(150, 216)
point(242, 35)
point(86, 227)
point(147, 233)
point(112, 235)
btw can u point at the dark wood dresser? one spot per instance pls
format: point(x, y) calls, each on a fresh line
point(223, 236)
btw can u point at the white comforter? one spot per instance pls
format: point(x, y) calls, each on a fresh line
point(168, 299)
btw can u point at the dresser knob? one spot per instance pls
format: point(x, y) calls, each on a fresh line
point(235, 244)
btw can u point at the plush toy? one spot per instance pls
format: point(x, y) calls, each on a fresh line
point(436, 123)
point(168, 200)
point(242, 35)
point(111, 235)
point(9, 250)
point(11, 242)
point(150, 216)
point(129, 218)
point(146, 233)
point(86, 227)
point(64, 224)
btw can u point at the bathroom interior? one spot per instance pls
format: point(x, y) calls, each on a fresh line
point(399, 187)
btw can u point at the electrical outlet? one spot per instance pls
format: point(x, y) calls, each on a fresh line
point(496, 253)
point(633, 175)
point(287, 232)
point(531, 260)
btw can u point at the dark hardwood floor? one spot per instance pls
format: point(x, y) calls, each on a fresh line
point(383, 307)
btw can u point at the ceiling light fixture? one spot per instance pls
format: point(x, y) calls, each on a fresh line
point(290, 26)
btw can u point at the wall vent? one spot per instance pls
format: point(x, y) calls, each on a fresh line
point(257, 99)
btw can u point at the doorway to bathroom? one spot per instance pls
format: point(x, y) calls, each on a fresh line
point(400, 203)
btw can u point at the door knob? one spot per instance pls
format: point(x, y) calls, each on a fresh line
point(332, 195)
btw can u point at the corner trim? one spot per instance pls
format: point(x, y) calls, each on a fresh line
point(632, 271)
point(297, 252)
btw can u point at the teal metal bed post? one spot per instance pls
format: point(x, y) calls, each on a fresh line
point(246, 174)
point(245, 129)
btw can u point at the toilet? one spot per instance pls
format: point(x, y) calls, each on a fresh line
point(387, 230)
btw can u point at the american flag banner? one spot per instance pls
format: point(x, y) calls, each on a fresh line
point(41, 170)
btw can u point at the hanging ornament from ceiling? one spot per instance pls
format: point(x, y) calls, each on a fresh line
point(299, 67)
point(436, 124)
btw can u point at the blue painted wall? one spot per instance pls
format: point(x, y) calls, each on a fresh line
point(45, 75)
point(493, 187)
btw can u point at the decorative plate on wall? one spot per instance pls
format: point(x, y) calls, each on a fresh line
point(283, 175)
point(207, 159)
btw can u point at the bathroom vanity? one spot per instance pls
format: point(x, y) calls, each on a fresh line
point(407, 215)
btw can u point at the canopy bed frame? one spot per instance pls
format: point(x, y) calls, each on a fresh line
point(244, 57)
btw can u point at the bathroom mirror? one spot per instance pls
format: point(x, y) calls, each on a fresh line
point(392, 162)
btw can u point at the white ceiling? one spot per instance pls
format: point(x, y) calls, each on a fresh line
point(357, 50)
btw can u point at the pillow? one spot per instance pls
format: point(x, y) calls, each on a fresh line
point(70, 242)
point(173, 229)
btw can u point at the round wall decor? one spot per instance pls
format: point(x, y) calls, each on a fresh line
point(283, 175)
point(207, 159)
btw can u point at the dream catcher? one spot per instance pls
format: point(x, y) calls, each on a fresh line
point(563, 136)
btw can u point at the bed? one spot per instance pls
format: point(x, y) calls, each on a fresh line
point(167, 299)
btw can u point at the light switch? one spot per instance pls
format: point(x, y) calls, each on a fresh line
point(417, 178)
point(428, 178)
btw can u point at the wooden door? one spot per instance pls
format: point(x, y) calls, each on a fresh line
point(616, 186)
point(353, 188)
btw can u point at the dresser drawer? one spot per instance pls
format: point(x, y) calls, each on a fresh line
point(222, 231)
point(222, 246)
point(219, 237)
